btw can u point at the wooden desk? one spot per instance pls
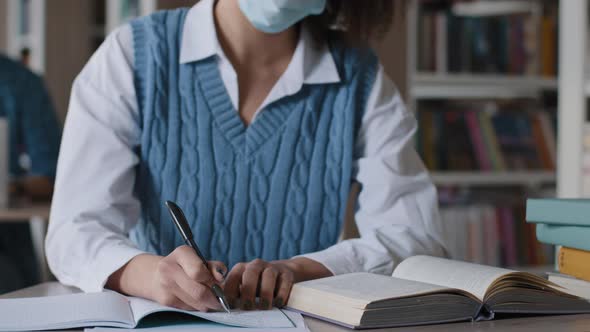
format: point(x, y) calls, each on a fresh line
point(570, 323)
point(37, 216)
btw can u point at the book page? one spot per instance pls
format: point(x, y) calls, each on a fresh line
point(361, 289)
point(472, 278)
point(65, 311)
point(257, 319)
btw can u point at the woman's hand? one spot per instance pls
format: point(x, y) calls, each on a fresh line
point(178, 280)
point(271, 282)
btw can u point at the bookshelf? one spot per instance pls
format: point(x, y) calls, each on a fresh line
point(441, 84)
point(465, 86)
point(531, 179)
point(495, 8)
point(508, 73)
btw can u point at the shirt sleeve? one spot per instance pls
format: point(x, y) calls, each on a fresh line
point(40, 129)
point(94, 205)
point(397, 210)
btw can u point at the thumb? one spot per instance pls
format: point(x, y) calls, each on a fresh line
point(218, 270)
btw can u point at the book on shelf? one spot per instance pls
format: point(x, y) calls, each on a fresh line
point(465, 136)
point(427, 290)
point(518, 44)
point(493, 235)
point(571, 284)
point(574, 262)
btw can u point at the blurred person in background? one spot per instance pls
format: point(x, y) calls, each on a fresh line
point(34, 135)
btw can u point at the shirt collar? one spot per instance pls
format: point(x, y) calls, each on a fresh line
point(311, 63)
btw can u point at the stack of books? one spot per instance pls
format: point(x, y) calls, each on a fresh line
point(565, 223)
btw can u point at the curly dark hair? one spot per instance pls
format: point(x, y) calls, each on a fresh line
point(353, 21)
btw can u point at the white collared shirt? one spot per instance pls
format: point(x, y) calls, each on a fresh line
point(94, 205)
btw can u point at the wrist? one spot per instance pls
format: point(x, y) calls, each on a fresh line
point(306, 269)
point(137, 277)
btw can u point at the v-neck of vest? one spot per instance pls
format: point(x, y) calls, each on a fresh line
point(245, 140)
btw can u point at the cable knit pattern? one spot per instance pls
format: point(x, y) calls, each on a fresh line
point(273, 190)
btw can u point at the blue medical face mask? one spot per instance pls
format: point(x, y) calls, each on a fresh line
point(274, 16)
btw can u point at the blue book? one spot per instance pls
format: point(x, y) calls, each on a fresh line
point(568, 236)
point(574, 212)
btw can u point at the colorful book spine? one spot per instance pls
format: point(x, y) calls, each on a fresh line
point(548, 46)
point(491, 141)
point(427, 141)
point(574, 263)
point(491, 237)
point(548, 136)
point(479, 147)
point(541, 144)
point(507, 235)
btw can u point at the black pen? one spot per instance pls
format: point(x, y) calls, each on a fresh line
point(183, 227)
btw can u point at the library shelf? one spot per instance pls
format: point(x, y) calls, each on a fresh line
point(479, 178)
point(494, 8)
point(482, 86)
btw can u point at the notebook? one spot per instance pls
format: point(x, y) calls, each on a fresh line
point(428, 290)
point(186, 324)
point(111, 309)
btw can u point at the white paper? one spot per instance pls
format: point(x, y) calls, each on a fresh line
point(274, 318)
point(472, 278)
point(4, 164)
point(64, 311)
point(364, 288)
point(203, 325)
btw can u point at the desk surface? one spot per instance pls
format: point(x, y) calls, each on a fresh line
point(24, 212)
point(570, 323)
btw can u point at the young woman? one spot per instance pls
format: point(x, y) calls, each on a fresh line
point(254, 116)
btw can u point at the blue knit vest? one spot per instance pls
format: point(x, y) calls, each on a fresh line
point(272, 190)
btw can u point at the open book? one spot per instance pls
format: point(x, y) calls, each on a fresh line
point(110, 309)
point(427, 290)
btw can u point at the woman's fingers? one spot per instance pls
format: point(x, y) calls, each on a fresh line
point(170, 293)
point(232, 284)
point(218, 269)
point(192, 265)
point(197, 295)
point(283, 288)
point(185, 282)
point(268, 280)
point(250, 279)
point(271, 283)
